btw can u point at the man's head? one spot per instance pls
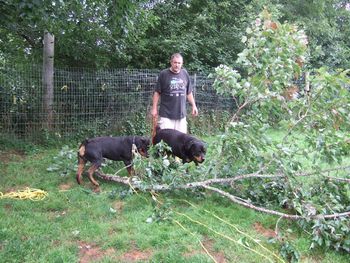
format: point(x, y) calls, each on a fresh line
point(176, 62)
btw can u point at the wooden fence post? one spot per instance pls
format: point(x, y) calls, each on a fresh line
point(48, 70)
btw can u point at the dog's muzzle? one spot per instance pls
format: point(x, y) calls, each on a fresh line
point(199, 159)
point(143, 152)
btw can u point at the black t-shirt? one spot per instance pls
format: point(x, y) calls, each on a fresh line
point(173, 89)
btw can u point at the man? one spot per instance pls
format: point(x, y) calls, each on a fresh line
point(172, 89)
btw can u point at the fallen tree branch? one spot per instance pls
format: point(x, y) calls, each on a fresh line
point(137, 184)
point(272, 212)
point(257, 175)
point(113, 178)
point(339, 179)
point(126, 180)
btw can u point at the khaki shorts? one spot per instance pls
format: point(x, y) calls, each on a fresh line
point(180, 125)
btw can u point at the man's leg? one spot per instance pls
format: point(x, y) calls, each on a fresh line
point(165, 123)
point(180, 125)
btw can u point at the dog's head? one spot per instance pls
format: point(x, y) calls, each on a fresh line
point(142, 145)
point(196, 150)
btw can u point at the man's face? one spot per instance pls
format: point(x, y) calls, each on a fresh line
point(176, 64)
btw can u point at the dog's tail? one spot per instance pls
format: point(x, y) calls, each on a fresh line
point(81, 161)
point(81, 149)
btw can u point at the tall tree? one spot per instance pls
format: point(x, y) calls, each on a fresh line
point(88, 33)
point(327, 25)
point(143, 33)
point(207, 32)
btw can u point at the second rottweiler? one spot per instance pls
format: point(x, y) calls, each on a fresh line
point(184, 146)
point(113, 148)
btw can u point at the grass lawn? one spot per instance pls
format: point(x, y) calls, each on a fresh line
point(75, 224)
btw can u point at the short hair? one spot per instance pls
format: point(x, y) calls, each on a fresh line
point(176, 55)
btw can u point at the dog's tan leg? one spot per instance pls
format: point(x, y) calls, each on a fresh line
point(91, 171)
point(131, 171)
point(81, 165)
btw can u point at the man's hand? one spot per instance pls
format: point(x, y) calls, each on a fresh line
point(193, 103)
point(194, 110)
point(154, 112)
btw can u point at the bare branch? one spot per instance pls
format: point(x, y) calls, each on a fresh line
point(126, 180)
point(272, 212)
point(249, 205)
point(206, 185)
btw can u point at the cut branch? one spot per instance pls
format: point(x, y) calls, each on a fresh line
point(272, 212)
point(137, 184)
point(126, 180)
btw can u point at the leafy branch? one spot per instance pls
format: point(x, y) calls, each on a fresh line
point(206, 184)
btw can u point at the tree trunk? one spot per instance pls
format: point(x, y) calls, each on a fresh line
point(48, 59)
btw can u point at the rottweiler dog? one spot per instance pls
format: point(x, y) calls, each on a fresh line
point(184, 146)
point(113, 148)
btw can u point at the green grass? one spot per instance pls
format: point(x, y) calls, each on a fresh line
point(74, 223)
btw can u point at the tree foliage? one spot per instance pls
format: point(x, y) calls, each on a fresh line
point(87, 33)
point(206, 32)
point(315, 125)
point(142, 34)
point(326, 23)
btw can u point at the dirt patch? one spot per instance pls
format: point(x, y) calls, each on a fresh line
point(92, 253)
point(8, 207)
point(118, 206)
point(11, 155)
point(136, 255)
point(209, 245)
point(65, 187)
point(269, 233)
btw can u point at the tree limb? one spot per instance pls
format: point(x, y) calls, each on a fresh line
point(272, 212)
point(206, 185)
point(126, 180)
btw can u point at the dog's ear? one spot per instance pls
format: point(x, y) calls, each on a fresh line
point(145, 141)
point(188, 146)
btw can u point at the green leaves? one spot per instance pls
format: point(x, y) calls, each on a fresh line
point(313, 126)
point(227, 81)
point(331, 234)
point(274, 57)
point(275, 52)
point(64, 163)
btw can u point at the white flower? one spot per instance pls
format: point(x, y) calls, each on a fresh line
point(247, 85)
point(166, 162)
point(258, 22)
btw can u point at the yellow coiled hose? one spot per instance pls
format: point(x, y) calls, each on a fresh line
point(28, 193)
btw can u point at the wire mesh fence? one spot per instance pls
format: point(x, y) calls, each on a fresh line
point(86, 99)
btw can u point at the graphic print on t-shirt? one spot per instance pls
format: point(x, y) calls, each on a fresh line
point(177, 87)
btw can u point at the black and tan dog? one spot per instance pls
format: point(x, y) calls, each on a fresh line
point(113, 148)
point(184, 146)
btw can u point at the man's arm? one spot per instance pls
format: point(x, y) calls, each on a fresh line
point(191, 100)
